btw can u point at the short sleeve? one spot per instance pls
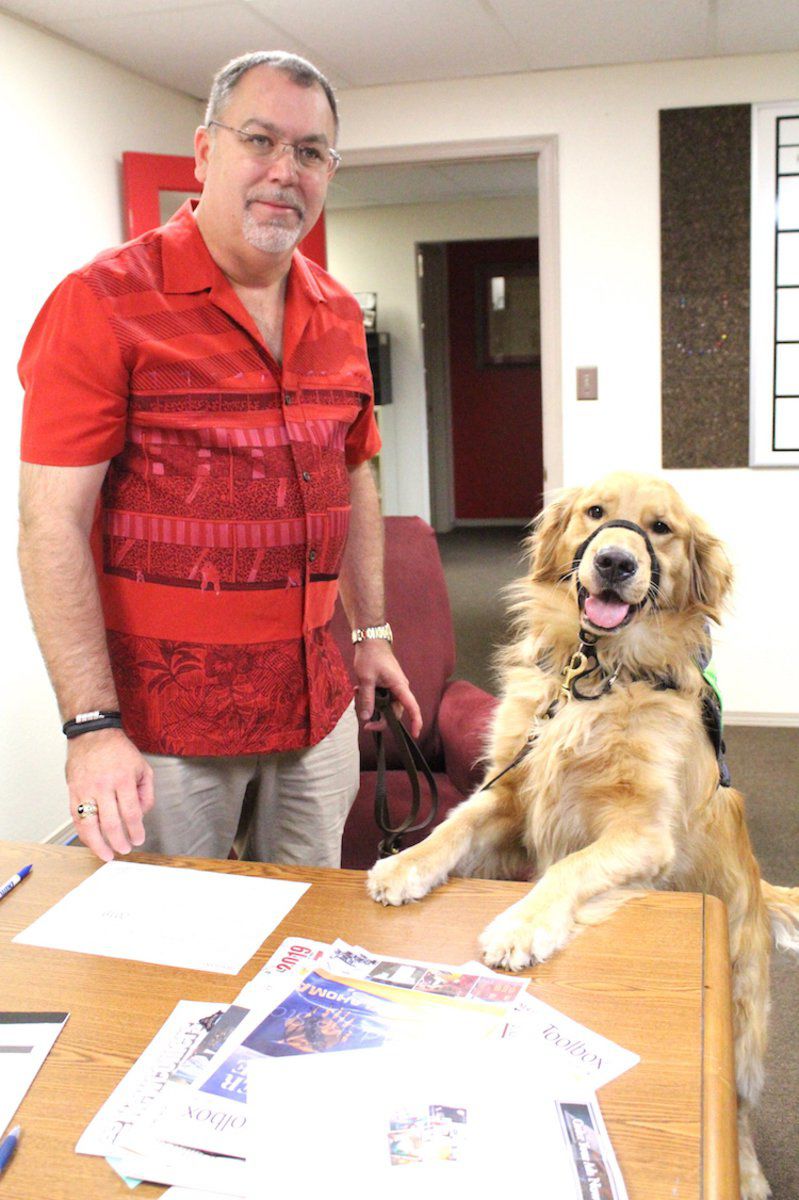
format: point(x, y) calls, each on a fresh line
point(75, 381)
point(363, 436)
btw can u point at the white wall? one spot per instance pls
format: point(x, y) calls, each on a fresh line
point(373, 249)
point(606, 123)
point(68, 118)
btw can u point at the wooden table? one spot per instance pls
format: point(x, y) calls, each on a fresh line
point(655, 979)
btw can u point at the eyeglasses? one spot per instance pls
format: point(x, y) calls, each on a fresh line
point(317, 160)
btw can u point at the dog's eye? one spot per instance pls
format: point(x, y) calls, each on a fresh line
point(595, 512)
point(660, 527)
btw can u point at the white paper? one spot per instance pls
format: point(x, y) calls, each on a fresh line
point(25, 1042)
point(202, 920)
point(184, 1193)
point(175, 1040)
point(465, 1123)
point(294, 957)
point(205, 1107)
point(190, 1169)
point(180, 1034)
point(565, 1046)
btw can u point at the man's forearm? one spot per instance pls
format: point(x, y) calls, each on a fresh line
point(109, 782)
point(60, 583)
point(363, 597)
point(361, 578)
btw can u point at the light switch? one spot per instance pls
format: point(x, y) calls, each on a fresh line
point(587, 385)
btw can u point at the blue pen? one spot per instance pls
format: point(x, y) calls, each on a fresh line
point(14, 880)
point(8, 1146)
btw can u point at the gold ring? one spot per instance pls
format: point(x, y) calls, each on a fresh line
point(87, 810)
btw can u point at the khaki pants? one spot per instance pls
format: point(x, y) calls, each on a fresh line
point(282, 808)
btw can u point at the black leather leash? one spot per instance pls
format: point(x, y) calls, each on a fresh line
point(414, 764)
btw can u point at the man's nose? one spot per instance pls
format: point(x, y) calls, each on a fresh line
point(283, 165)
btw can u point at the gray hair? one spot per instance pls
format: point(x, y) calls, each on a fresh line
point(299, 71)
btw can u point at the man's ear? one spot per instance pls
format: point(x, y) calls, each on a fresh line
point(202, 146)
point(711, 570)
point(549, 558)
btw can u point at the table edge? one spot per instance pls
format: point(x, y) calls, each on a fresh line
point(720, 1169)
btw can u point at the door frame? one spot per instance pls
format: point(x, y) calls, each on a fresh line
point(545, 150)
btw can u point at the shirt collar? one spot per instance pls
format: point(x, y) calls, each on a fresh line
point(189, 267)
point(186, 262)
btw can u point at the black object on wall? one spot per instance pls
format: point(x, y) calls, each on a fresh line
point(378, 347)
point(705, 184)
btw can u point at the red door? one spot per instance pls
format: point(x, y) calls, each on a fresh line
point(495, 385)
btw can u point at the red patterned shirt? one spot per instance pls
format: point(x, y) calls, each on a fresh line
point(225, 508)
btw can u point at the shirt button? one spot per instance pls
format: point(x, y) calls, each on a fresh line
point(306, 476)
point(287, 398)
point(311, 555)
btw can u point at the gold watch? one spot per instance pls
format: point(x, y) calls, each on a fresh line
point(373, 633)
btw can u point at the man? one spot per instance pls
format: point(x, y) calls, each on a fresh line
point(196, 441)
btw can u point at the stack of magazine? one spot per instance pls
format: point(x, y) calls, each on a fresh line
point(356, 1064)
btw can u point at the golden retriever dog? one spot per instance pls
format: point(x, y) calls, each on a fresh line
point(602, 775)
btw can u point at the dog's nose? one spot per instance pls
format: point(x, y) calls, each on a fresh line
point(615, 565)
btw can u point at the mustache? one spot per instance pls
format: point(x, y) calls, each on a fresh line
point(279, 196)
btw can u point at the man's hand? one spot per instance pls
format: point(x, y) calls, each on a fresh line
point(376, 666)
point(106, 769)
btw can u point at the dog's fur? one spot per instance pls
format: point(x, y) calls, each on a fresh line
point(622, 791)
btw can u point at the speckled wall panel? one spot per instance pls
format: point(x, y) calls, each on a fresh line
point(705, 175)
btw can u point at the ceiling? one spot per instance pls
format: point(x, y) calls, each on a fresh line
point(181, 43)
point(432, 183)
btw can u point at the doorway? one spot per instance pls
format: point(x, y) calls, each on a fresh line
point(479, 305)
point(383, 205)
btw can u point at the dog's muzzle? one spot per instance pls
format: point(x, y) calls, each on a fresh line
point(614, 567)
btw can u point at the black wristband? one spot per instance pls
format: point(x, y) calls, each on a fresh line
point(89, 721)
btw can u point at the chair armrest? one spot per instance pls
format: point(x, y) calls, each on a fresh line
point(464, 719)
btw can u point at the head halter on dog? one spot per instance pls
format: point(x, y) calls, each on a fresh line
point(654, 564)
point(584, 661)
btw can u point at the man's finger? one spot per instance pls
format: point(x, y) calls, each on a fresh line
point(87, 825)
point(404, 697)
point(131, 812)
point(146, 788)
point(366, 703)
point(111, 824)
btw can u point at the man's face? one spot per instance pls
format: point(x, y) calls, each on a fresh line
point(270, 205)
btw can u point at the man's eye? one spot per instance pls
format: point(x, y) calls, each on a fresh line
point(309, 155)
point(595, 512)
point(261, 141)
point(660, 527)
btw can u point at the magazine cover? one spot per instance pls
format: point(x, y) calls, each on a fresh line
point(325, 1013)
point(328, 1013)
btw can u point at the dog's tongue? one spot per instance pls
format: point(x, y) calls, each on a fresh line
point(605, 614)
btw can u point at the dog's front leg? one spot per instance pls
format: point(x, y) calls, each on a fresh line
point(474, 833)
point(547, 917)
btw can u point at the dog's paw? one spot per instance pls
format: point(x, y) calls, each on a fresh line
point(754, 1186)
point(392, 881)
point(515, 939)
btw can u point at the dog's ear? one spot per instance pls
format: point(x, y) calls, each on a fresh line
point(549, 559)
point(711, 570)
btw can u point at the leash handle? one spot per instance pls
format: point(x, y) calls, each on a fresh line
point(414, 764)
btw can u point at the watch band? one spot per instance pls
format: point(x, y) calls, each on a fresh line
point(373, 633)
point(89, 721)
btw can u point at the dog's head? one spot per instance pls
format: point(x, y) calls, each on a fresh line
point(630, 546)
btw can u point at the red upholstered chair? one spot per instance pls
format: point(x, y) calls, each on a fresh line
point(456, 713)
